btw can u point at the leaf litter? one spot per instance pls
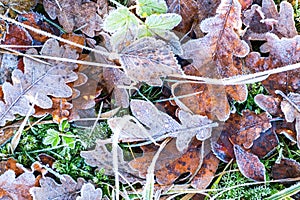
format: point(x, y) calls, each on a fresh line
point(150, 52)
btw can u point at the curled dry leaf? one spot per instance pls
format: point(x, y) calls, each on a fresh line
point(88, 192)
point(171, 163)
point(37, 82)
point(269, 104)
point(266, 19)
point(74, 14)
point(249, 164)
point(16, 188)
point(287, 168)
point(147, 60)
point(214, 55)
point(150, 123)
point(49, 189)
point(241, 130)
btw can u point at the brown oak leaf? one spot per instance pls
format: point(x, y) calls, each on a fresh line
point(74, 14)
point(215, 54)
point(17, 35)
point(242, 130)
point(266, 18)
point(282, 52)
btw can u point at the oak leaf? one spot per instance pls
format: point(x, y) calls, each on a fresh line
point(88, 192)
point(49, 189)
point(150, 123)
point(74, 14)
point(36, 83)
point(16, 188)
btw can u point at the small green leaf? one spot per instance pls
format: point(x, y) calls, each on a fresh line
point(148, 7)
point(52, 138)
point(64, 125)
point(70, 141)
point(163, 21)
point(119, 19)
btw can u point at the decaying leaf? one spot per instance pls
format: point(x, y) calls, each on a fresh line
point(249, 164)
point(214, 54)
point(269, 104)
point(101, 157)
point(148, 60)
point(287, 168)
point(171, 163)
point(17, 35)
point(150, 123)
point(74, 14)
point(16, 188)
point(68, 189)
point(266, 19)
point(37, 82)
point(291, 110)
point(88, 192)
point(282, 52)
point(17, 6)
point(242, 130)
point(9, 62)
point(207, 172)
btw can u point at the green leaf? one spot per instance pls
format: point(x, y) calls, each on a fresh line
point(148, 7)
point(119, 19)
point(52, 138)
point(64, 125)
point(163, 21)
point(70, 141)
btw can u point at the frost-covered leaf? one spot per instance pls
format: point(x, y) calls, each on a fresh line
point(102, 158)
point(52, 138)
point(150, 123)
point(16, 188)
point(37, 83)
point(148, 7)
point(88, 192)
point(292, 112)
point(216, 55)
point(119, 19)
point(148, 60)
point(74, 14)
point(266, 18)
point(49, 189)
point(163, 21)
point(287, 168)
point(249, 164)
point(9, 62)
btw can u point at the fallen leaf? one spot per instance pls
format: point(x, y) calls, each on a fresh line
point(9, 62)
point(249, 164)
point(75, 14)
point(147, 60)
point(150, 123)
point(207, 172)
point(17, 6)
point(214, 55)
point(282, 52)
point(37, 21)
point(266, 19)
point(88, 192)
point(49, 189)
point(36, 83)
point(171, 163)
point(292, 112)
point(287, 168)
point(16, 188)
point(17, 35)
point(101, 157)
point(269, 104)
